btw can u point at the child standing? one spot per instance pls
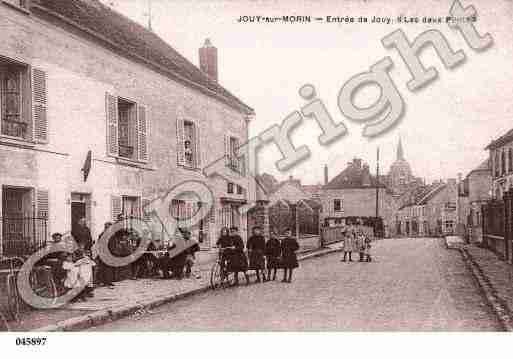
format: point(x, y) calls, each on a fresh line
point(85, 274)
point(289, 246)
point(272, 253)
point(368, 247)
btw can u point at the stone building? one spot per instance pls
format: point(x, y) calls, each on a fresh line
point(352, 193)
point(99, 115)
point(430, 210)
point(475, 190)
point(501, 161)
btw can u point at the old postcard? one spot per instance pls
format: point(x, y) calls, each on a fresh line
point(256, 166)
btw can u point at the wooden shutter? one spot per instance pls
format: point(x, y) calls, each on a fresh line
point(39, 105)
point(133, 130)
point(143, 127)
point(111, 109)
point(116, 207)
point(197, 143)
point(42, 203)
point(227, 149)
point(180, 140)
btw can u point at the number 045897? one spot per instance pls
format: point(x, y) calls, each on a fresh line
point(36, 341)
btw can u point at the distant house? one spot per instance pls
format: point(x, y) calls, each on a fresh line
point(474, 191)
point(352, 193)
point(430, 210)
point(501, 162)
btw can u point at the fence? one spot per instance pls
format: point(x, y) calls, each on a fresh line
point(302, 218)
point(23, 236)
point(497, 220)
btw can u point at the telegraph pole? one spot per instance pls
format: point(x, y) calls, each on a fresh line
point(377, 184)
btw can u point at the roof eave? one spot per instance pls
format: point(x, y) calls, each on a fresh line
point(239, 105)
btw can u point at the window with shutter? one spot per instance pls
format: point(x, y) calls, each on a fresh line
point(227, 149)
point(42, 203)
point(15, 101)
point(39, 98)
point(143, 128)
point(197, 141)
point(116, 207)
point(111, 105)
point(180, 141)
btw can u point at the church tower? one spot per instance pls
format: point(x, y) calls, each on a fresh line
point(400, 177)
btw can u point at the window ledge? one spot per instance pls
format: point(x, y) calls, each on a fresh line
point(130, 162)
point(16, 7)
point(189, 168)
point(16, 142)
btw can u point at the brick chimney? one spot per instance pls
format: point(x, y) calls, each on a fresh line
point(325, 175)
point(208, 59)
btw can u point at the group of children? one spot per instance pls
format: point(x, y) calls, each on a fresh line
point(356, 241)
point(261, 254)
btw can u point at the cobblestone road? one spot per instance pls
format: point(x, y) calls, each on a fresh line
point(413, 285)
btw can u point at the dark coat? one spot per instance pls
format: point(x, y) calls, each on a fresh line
point(82, 236)
point(273, 252)
point(289, 246)
point(238, 261)
point(256, 251)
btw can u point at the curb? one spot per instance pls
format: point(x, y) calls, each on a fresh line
point(498, 305)
point(108, 315)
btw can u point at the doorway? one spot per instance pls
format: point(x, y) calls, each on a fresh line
point(80, 208)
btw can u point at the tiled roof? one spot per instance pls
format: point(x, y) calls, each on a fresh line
point(135, 41)
point(508, 137)
point(353, 177)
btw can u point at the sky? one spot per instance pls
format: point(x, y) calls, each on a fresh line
point(446, 125)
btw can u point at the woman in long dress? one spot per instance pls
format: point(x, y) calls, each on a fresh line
point(239, 262)
point(256, 251)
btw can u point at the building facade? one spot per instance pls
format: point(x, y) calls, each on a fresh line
point(352, 193)
point(501, 161)
point(475, 190)
point(99, 116)
point(431, 211)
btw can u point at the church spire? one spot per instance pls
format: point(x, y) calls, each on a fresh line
point(400, 151)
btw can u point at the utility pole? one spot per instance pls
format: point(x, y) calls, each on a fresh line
point(377, 184)
point(150, 15)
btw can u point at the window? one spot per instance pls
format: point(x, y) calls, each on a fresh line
point(127, 129)
point(497, 164)
point(230, 188)
point(503, 163)
point(15, 101)
point(240, 190)
point(233, 160)
point(337, 205)
point(510, 155)
point(131, 206)
point(188, 144)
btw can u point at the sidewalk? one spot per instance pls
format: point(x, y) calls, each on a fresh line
point(126, 298)
point(494, 276)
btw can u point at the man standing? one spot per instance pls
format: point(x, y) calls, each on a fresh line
point(82, 235)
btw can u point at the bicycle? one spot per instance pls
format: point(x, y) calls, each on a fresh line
point(219, 274)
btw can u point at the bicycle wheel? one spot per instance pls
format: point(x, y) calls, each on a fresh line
point(4, 325)
point(13, 298)
point(216, 276)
